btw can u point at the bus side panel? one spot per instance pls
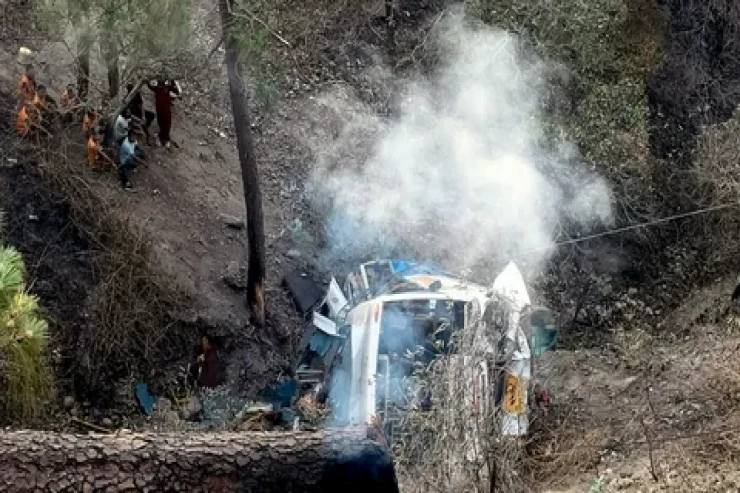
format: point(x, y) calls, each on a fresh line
point(372, 340)
point(358, 332)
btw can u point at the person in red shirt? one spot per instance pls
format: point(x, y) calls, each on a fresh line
point(163, 108)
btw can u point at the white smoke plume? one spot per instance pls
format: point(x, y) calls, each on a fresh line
point(456, 174)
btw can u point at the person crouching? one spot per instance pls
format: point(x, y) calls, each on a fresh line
point(130, 156)
point(96, 158)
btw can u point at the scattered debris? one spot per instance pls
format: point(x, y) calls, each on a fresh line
point(232, 221)
point(193, 408)
point(253, 408)
point(69, 402)
point(144, 398)
point(305, 292)
point(298, 233)
point(282, 394)
point(236, 275)
point(90, 426)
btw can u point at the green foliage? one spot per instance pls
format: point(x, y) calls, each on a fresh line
point(583, 34)
point(600, 52)
point(24, 370)
point(253, 40)
point(148, 34)
point(266, 95)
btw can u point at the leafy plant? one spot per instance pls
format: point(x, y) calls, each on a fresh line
point(24, 370)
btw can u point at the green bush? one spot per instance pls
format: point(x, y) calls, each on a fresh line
point(24, 370)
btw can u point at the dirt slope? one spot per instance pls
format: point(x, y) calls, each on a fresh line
point(649, 400)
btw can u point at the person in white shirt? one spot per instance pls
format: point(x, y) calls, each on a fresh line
point(129, 158)
point(121, 128)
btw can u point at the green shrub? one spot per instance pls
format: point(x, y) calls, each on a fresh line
point(24, 369)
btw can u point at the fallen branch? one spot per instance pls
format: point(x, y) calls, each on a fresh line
point(91, 426)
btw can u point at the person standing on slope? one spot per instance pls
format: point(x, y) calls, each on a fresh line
point(163, 107)
point(144, 117)
point(27, 85)
point(130, 156)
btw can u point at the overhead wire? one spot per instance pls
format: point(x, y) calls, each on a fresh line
point(636, 226)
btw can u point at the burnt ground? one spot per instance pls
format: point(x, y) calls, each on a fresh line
point(59, 260)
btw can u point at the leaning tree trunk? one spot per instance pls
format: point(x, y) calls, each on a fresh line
point(244, 462)
point(109, 138)
point(250, 176)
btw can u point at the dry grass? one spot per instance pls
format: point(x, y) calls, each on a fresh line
point(453, 445)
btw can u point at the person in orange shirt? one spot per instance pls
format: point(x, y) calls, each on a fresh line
point(27, 85)
point(44, 108)
point(23, 122)
point(89, 121)
point(95, 156)
point(69, 103)
point(42, 100)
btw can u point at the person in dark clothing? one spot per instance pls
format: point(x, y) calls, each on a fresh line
point(163, 108)
point(142, 116)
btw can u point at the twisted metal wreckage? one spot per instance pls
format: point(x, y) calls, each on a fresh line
point(361, 340)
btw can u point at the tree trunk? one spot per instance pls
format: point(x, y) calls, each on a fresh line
point(390, 28)
point(250, 176)
point(245, 462)
point(83, 69)
point(110, 53)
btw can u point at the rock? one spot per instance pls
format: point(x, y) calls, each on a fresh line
point(69, 402)
point(74, 412)
point(293, 253)
point(236, 276)
point(232, 221)
point(163, 405)
point(107, 422)
point(203, 156)
point(193, 407)
point(171, 417)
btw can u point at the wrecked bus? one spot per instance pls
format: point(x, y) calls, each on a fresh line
point(388, 316)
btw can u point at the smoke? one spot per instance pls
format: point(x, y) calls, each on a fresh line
point(458, 173)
